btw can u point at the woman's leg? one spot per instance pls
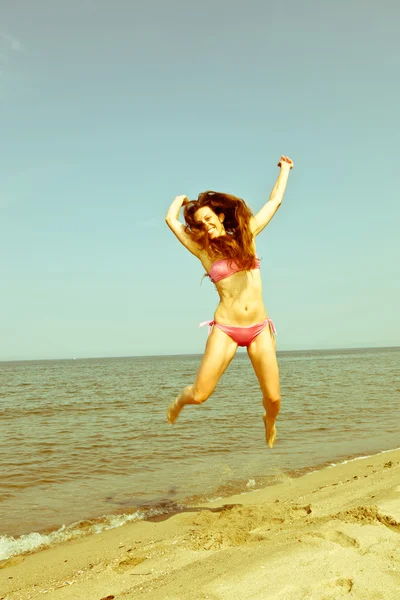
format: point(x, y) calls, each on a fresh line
point(220, 349)
point(263, 358)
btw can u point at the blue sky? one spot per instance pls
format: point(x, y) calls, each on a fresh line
point(110, 109)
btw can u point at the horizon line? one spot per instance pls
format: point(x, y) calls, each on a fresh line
point(190, 354)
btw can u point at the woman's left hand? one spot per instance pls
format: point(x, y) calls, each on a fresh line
point(285, 159)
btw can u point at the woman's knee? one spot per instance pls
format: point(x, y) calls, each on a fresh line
point(271, 398)
point(199, 396)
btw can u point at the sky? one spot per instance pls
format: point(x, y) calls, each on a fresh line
point(108, 110)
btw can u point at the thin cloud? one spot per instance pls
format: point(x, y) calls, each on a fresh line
point(11, 49)
point(11, 41)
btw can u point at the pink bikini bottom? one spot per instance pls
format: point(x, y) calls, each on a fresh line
point(243, 336)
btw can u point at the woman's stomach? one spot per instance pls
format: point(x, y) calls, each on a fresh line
point(242, 310)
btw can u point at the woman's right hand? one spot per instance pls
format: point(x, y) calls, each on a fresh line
point(184, 199)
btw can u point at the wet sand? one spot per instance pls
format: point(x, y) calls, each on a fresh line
point(332, 534)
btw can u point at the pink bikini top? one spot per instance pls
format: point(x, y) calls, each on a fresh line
point(226, 267)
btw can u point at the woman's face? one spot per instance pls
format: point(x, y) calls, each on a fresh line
point(210, 221)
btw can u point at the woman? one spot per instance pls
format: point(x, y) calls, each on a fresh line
point(221, 230)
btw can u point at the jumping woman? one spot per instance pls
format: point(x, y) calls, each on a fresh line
point(220, 231)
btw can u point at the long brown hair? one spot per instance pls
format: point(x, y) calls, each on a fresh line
point(238, 242)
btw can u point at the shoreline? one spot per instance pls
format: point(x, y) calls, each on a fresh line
point(337, 527)
point(45, 538)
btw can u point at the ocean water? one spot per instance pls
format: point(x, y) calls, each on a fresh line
point(85, 444)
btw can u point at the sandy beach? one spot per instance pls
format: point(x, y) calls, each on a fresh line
point(334, 533)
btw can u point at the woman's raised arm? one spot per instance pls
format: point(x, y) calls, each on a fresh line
point(263, 217)
point(178, 228)
point(174, 209)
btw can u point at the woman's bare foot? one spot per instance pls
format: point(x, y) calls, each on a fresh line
point(270, 431)
point(173, 411)
point(185, 397)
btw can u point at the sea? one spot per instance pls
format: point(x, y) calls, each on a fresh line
point(85, 444)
